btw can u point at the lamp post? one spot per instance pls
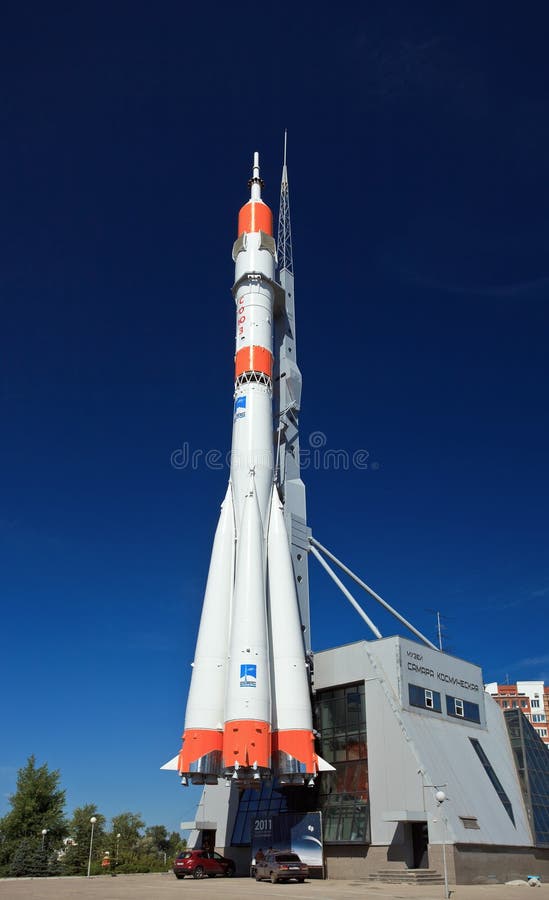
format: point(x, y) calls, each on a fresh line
point(118, 836)
point(93, 820)
point(44, 833)
point(440, 797)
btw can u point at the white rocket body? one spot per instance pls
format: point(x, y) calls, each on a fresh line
point(249, 710)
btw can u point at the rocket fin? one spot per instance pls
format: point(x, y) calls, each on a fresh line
point(324, 766)
point(293, 740)
point(201, 753)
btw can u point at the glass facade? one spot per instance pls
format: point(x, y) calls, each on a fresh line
point(344, 797)
point(341, 796)
point(267, 801)
point(532, 762)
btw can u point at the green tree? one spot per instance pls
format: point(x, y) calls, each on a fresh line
point(159, 846)
point(175, 845)
point(129, 826)
point(29, 859)
point(37, 804)
point(158, 837)
point(75, 861)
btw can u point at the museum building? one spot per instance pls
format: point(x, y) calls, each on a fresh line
point(402, 725)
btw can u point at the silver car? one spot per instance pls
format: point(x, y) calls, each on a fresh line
point(280, 865)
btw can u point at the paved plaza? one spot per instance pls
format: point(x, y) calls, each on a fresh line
point(166, 887)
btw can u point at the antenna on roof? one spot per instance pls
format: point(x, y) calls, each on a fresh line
point(441, 629)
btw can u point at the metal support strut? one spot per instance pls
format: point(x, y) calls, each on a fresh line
point(316, 546)
point(347, 593)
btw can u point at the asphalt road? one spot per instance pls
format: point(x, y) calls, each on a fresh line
point(166, 887)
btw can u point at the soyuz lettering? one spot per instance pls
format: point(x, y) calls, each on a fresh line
point(241, 314)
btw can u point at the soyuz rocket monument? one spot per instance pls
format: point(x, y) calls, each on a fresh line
point(248, 714)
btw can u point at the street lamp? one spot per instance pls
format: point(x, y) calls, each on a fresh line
point(118, 836)
point(440, 797)
point(93, 820)
point(44, 833)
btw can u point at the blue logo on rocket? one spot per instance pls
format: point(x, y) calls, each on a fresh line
point(239, 408)
point(248, 675)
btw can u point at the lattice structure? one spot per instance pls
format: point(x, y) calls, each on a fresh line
point(285, 255)
point(253, 377)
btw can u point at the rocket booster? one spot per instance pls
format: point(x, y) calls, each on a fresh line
point(248, 712)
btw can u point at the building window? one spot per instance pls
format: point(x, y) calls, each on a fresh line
point(542, 732)
point(424, 698)
point(344, 802)
point(341, 721)
point(505, 704)
point(462, 709)
point(344, 794)
point(534, 704)
point(514, 704)
point(524, 704)
point(493, 778)
point(538, 717)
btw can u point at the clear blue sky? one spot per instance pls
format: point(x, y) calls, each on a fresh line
point(419, 171)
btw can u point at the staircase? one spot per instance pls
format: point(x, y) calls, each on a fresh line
point(406, 876)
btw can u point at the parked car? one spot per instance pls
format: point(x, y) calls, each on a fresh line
point(199, 863)
point(280, 866)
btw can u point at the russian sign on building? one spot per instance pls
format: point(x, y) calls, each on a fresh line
point(442, 676)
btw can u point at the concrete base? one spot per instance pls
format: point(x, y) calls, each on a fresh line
point(477, 864)
point(465, 863)
point(356, 860)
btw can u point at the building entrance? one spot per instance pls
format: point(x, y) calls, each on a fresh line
point(208, 839)
point(420, 843)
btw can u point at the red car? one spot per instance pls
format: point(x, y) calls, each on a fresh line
point(199, 863)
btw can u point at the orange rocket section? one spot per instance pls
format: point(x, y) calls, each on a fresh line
point(298, 744)
point(197, 743)
point(255, 216)
point(247, 743)
point(253, 359)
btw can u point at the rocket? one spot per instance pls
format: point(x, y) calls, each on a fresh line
point(248, 715)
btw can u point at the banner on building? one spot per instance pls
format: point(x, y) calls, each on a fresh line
point(299, 832)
